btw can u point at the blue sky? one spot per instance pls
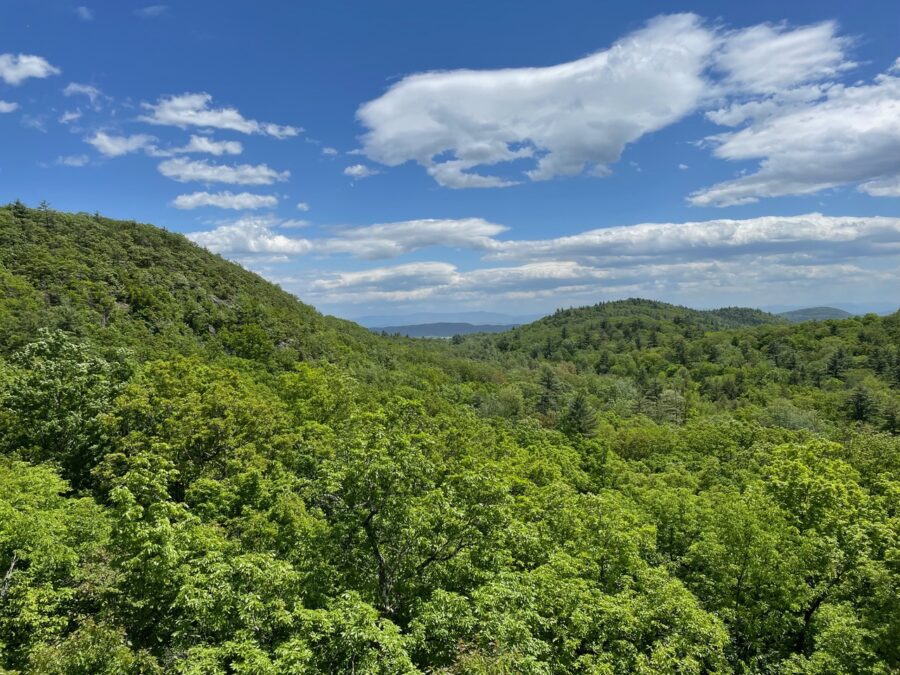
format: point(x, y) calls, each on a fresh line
point(389, 158)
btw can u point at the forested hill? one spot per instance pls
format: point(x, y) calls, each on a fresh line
point(669, 362)
point(643, 321)
point(815, 314)
point(199, 474)
point(126, 284)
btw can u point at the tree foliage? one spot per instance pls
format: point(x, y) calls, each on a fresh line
point(199, 474)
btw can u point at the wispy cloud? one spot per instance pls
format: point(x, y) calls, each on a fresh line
point(371, 242)
point(766, 58)
point(195, 110)
point(186, 170)
point(78, 89)
point(151, 11)
point(553, 280)
point(359, 171)
point(69, 116)
point(705, 257)
point(116, 146)
point(84, 13)
point(389, 240)
point(35, 122)
point(844, 135)
point(16, 68)
point(812, 234)
point(207, 145)
point(249, 235)
point(72, 160)
point(225, 200)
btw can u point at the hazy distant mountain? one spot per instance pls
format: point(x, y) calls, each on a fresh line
point(477, 318)
point(443, 329)
point(815, 314)
point(881, 307)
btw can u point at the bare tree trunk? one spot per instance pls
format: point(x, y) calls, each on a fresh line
point(6, 579)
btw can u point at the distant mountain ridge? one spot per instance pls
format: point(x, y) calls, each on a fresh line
point(815, 314)
point(443, 329)
point(631, 309)
point(478, 318)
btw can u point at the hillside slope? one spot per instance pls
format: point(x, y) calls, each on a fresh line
point(199, 474)
point(443, 329)
point(635, 322)
point(815, 314)
point(128, 284)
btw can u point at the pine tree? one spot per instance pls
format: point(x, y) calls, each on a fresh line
point(837, 362)
point(861, 405)
point(44, 209)
point(19, 209)
point(579, 418)
point(549, 391)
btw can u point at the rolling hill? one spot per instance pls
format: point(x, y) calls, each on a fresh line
point(201, 474)
point(815, 314)
point(442, 330)
point(126, 284)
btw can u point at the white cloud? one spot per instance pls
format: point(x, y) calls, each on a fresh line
point(736, 113)
point(249, 235)
point(194, 110)
point(883, 187)
point(204, 144)
point(225, 200)
point(76, 89)
point(302, 206)
point(359, 171)
point(293, 223)
point(16, 68)
point(84, 13)
point(36, 122)
point(438, 280)
point(814, 234)
point(8, 107)
point(850, 135)
point(116, 146)
point(72, 160)
point(733, 259)
point(388, 240)
point(568, 281)
point(330, 152)
point(402, 282)
point(185, 170)
point(579, 116)
point(563, 118)
point(70, 116)
point(764, 59)
point(151, 11)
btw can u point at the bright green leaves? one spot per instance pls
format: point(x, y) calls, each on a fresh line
point(197, 416)
point(658, 500)
point(404, 504)
point(47, 545)
point(54, 405)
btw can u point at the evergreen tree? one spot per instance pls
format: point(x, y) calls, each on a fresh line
point(837, 362)
point(861, 405)
point(579, 419)
point(549, 385)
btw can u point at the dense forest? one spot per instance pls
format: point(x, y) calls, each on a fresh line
point(200, 474)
